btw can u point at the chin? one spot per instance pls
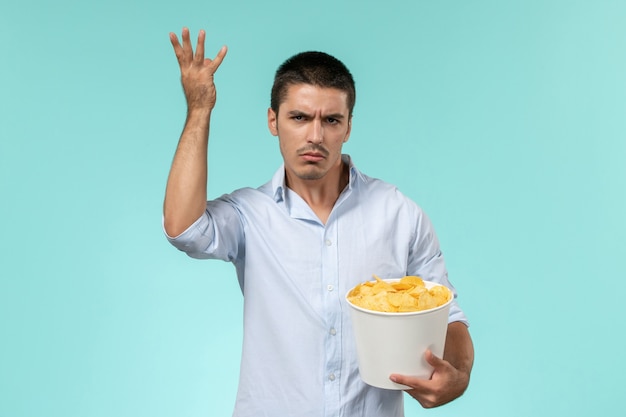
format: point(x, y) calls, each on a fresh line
point(310, 174)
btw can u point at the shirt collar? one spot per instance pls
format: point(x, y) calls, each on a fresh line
point(278, 180)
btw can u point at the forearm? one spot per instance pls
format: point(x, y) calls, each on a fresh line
point(185, 195)
point(186, 192)
point(459, 349)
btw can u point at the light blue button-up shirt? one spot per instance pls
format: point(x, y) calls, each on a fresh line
point(298, 356)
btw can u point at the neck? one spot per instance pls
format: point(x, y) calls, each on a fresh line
point(320, 194)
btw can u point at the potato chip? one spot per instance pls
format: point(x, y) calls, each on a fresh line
point(412, 280)
point(400, 286)
point(405, 295)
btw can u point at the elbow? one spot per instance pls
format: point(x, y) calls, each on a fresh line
point(176, 221)
point(171, 229)
point(174, 227)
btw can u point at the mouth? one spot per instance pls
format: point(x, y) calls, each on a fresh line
point(312, 156)
point(313, 153)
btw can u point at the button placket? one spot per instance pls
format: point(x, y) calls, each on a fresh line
point(332, 308)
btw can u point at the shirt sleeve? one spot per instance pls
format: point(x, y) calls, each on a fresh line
point(426, 260)
point(217, 234)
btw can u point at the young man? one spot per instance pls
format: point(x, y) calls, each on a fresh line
point(301, 241)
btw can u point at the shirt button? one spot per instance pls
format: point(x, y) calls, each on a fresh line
point(330, 287)
point(333, 331)
point(331, 377)
point(328, 242)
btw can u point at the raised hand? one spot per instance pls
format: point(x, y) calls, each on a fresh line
point(196, 71)
point(185, 195)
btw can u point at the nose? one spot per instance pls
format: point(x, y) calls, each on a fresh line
point(316, 132)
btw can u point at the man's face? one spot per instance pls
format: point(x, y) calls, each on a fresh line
point(312, 125)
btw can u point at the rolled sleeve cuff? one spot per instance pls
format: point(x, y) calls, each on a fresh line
point(195, 240)
point(456, 314)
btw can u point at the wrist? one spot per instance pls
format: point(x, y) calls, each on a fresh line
point(196, 111)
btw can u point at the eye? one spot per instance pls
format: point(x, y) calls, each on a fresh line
point(332, 120)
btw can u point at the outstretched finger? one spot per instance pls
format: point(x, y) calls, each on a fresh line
point(199, 56)
point(217, 61)
point(187, 50)
point(178, 50)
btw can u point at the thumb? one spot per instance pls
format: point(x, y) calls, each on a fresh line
point(432, 359)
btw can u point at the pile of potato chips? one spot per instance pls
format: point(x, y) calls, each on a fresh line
point(405, 295)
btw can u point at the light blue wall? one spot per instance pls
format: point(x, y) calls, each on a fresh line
point(505, 120)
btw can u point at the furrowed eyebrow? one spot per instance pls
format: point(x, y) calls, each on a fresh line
point(298, 113)
point(294, 113)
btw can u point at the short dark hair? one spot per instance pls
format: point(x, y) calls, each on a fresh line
point(314, 68)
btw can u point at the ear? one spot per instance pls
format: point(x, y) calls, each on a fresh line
point(345, 139)
point(272, 121)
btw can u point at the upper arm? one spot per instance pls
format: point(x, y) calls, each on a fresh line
point(217, 234)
